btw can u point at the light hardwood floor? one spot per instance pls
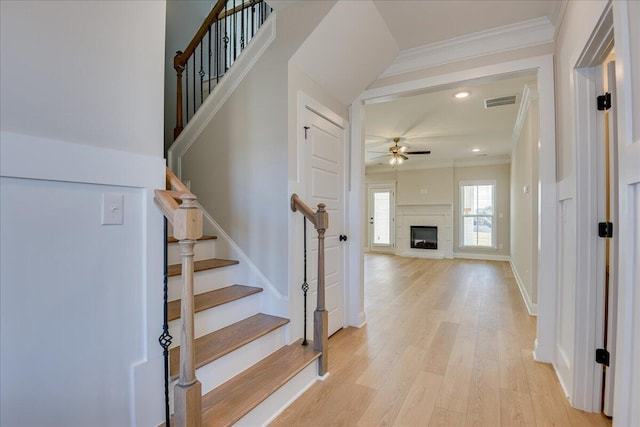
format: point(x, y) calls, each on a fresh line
point(447, 343)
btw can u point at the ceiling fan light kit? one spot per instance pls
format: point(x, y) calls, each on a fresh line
point(398, 153)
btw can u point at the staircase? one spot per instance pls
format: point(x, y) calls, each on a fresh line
point(247, 371)
point(226, 362)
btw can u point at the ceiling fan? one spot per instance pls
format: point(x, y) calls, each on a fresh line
point(399, 153)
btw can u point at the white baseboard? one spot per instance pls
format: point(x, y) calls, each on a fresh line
point(532, 308)
point(482, 256)
point(563, 370)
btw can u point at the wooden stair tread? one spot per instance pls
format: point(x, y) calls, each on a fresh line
point(223, 341)
point(212, 299)
point(172, 239)
point(226, 404)
point(205, 264)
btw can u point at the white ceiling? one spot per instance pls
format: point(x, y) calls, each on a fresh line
point(419, 23)
point(447, 126)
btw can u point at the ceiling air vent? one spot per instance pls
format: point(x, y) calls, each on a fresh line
point(496, 102)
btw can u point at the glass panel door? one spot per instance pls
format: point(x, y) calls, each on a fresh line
point(381, 217)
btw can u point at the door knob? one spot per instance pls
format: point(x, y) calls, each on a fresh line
point(343, 238)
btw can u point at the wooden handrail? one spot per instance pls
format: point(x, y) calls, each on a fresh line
point(181, 56)
point(217, 13)
point(179, 206)
point(320, 220)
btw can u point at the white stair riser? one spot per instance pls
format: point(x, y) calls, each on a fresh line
point(223, 369)
point(207, 280)
point(204, 249)
point(218, 317)
point(275, 404)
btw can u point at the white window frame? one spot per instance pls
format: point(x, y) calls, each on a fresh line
point(494, 224)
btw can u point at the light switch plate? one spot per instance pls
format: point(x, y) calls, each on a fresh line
point(112, 208)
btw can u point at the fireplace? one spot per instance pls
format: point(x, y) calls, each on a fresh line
point(424, 237)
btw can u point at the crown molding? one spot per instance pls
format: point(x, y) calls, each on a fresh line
point(500, 39)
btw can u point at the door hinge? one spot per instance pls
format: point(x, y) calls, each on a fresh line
point(605, 229)
point(306, 128)
point(604, 101)
point(602, 356)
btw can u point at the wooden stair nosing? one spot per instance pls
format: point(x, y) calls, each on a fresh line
point(229, 402)
point(205, 264)
point(216, 344)
point(172, 239)
point(212, 299)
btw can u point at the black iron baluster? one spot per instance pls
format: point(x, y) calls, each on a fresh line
point(216, 61)
point(226, 43)
point(241, 30)
point(209, 70)
point(166, 338)
point(201, 73)
point(253, 18)
point(235, 33)
point(186, 87)
point(194, 81)
point(305, 285)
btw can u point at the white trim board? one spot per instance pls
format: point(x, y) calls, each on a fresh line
point(501, 39)
point(31, 157)
point(482, 257)
point(223, 90)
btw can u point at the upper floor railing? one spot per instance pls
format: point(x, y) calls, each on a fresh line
point(221, 38)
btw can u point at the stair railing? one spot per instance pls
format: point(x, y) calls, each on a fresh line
point(221, 38)
point(179, 206)
point(320, 220)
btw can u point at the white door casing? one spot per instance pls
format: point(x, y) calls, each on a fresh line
point(324, 183)
point(626, 18)
point(612, 309)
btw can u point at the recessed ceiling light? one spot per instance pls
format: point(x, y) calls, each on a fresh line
point(475, 150)
point(461, 95)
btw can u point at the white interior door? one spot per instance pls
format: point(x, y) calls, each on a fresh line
point(324, 183)
point(381, 217)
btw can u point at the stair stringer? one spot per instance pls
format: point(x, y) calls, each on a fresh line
point(219, 95)
point(271, 300)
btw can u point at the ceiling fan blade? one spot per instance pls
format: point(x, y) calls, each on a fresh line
point(417, 152)
point(380, 152)
point(378, 157)
point(403, 156)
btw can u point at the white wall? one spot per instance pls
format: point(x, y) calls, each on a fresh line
point(84, 72)
point(524, 206)
point(425, 186)
point(348, 50)
point(81, 303)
